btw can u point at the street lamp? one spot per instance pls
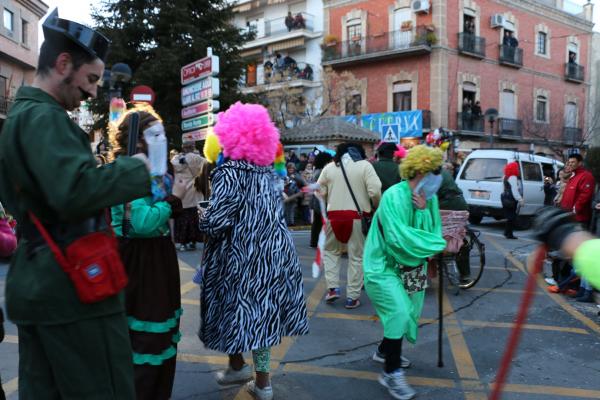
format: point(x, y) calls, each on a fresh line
point(491, 114)
point(115, 79)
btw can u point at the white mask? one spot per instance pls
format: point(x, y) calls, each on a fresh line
point(429, 185)
point(157, 148)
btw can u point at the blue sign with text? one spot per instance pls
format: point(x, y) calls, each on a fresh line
point(392, 126)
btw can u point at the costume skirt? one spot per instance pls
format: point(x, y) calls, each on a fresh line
point(186, 226)
point(153, 308)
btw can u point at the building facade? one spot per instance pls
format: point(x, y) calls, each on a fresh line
point(283, 62)
point(18, 47)
point(593, 118)
point(454, 59)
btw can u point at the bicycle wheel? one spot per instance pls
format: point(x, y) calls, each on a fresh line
point(471, 260)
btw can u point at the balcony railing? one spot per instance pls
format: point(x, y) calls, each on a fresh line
point(426, 119)
point(574, 72)
point(572, 135)
point(510, 127)
point(472, 45)
point(5, 103)
point(512, 56)
point(277, 26)
point(381, 45)
point(274, 75)
point(470, 123)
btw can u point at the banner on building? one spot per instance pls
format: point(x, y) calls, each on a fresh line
point(392, 126)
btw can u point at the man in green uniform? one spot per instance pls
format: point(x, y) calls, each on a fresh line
point(386, 168)
point(67, 349)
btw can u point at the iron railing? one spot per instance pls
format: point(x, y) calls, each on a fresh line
point(572, 135)
point(468, 122)
point(5, 103)
point(510, 127)
point(277, 26)
point(512, 56)
point(574, 72)
point(271, 75)
point(396, 40)
point(470, 44)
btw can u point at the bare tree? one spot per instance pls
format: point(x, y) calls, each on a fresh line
point(338, 89)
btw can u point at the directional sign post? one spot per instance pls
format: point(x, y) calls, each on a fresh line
point(200, 87)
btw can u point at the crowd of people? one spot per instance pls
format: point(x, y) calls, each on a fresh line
point(286, 68)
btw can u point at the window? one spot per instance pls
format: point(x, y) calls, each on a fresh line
point(3, 87)
point(541, 104)
point(542, 41)
point(488, 169)
point(8, 20)
point(24, 32)
point(354, 32)
point(508, 107)
point(354, 104)
point(571, 115)
point(402, 96)
point(531, 171)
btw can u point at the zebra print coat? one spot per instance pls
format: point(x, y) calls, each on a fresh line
point(251, 291)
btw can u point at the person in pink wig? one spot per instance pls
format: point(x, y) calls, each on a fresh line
point(251, 288)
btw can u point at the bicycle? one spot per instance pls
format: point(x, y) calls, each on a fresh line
point(473, 250)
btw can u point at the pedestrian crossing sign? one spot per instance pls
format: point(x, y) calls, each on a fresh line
point(390, 133)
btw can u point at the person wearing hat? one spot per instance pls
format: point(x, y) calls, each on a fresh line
point(68, 349)
point(385, 166)
point(406, 230)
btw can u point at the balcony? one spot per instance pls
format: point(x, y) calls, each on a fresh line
point(510, 127)
point(511, 56)
point(383, 46)
point(471, 45)
point(300, 75)
point(275, 30)
point(5, 103)
point(469, 123)
point(574, 72)
point(572, 135)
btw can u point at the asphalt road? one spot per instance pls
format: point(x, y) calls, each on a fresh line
point(558, 357)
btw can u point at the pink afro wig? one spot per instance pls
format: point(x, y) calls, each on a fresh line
point(511, 169)
point(246, 132)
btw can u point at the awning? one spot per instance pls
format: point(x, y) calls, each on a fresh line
point(251, 53)
point(288, 44)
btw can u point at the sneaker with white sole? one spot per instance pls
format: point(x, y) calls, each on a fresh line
point(550, 281)
point(380, 358)
point(397, 385)
point(231, 376)
point(332, 295)
point(265, 393)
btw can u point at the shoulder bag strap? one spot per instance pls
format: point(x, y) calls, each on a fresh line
point(350, 188)
point(51, 243)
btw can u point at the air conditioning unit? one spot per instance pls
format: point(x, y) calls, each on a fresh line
point(497, 21)
point(421, 6)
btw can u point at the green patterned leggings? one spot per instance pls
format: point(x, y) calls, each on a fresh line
point(262, 359)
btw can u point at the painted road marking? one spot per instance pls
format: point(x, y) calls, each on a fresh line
point(11, 387)
point(557, 298)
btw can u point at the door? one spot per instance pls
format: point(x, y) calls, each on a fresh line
point(571, 115)
point(533, 187)
point(507, 105)
point(402, 38)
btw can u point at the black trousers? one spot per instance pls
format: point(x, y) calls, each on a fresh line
point(315, 229)
point(511, 215)
point(392, 348)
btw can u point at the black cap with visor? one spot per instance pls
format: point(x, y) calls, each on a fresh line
point(94, 43)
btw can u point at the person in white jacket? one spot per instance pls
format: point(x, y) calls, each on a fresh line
point(511, 187)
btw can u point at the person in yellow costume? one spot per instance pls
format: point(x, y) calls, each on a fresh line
point(406, 230)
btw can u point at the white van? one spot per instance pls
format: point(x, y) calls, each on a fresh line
point(481, 180)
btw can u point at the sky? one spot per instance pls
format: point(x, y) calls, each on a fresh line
point(80, 11)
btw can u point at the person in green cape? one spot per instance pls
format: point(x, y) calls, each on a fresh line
point(406, 230)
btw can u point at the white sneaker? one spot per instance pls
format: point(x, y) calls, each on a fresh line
point(231, 376)
point(265, 393)
point(397, 385)
point(380, 358)
point(551, 281)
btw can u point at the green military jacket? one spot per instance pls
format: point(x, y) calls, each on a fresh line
point(450, 195)
point(388, 172)
point(46, 166)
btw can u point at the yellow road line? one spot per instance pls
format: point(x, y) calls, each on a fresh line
point(14, 339)
point(500, 290)
point(193, 358)
point(11, 386)
point(502, 268)
point(188, 287)
point(557, 298)
point(354, 317)
point(191, 302)
point(475, 396)
point(509, 325)
point(366, 375)
point(460, 351)
point(553, 391)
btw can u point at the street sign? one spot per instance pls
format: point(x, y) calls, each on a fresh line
point(202, 90)
point(207, 66)
point(390, 133)
point(194, 136)
point(201, 108)
point(197, 122)
point(142, 94)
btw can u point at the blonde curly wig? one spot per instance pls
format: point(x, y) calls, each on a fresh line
point(118, 132)
point(423, 159)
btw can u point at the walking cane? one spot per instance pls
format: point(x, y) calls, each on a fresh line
point(515, 335)
point(132, 136)
point(440, 312)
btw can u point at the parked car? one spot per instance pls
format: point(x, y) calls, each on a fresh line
point(480, 178)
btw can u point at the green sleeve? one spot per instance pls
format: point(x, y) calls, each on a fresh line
point(59, 157)
point(410, 235)
point(147, 219)
point(586, 262)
